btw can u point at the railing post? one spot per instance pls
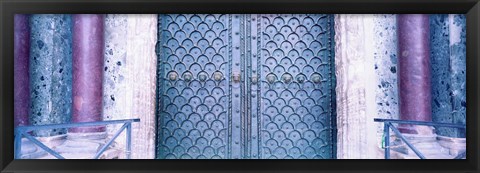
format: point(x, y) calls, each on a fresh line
point(386, 128)
point(18, 144)
point(129, 141)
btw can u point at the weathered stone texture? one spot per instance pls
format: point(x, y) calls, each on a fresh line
point(130, 78)
point(50, 71)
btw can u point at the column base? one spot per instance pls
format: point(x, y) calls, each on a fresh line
point(31, 151)
point(86, 145)
point(415, 129)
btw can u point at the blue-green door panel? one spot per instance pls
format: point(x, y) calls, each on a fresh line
point(245, 86)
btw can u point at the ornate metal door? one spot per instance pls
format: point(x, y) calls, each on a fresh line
point(245, 86)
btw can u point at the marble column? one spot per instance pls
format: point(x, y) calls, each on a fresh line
point(88, 60)
point(458, 56)
point(21, 79)
point(21, 83)
point(440, 64)
point(414, 77)
point(50, 71)
point(130, 78)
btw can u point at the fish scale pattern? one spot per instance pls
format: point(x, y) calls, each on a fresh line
point(296, 84)
point(194, 92)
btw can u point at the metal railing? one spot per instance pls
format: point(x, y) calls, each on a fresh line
point(388, 125)
point(22, 131)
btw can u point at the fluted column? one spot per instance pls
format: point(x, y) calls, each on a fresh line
point(21, 65)
point(88, 60)
point(414, 78)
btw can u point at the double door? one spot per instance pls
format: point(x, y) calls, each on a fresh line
point(245, 86)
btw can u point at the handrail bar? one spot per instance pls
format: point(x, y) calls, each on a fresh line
point(388, 125)
point(72, 125)
point(425, 123)
point(22, 131)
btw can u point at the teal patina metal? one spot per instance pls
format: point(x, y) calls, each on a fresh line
point(246, 86)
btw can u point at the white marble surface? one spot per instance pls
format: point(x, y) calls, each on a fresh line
point(362, 42)
point(130, 79)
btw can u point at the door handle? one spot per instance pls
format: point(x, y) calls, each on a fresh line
point(236, 77)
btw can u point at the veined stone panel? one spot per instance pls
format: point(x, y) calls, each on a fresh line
point(366, 82)
point(448, 58)
point(130, 77)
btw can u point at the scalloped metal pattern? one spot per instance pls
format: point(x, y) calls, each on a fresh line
point(193, 89)
point(245, 86)
point(296, 87)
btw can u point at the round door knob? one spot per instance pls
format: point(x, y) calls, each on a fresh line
point(301, 78)
point(202, 76)
point(316, 78)
point(287, 78)
point(271, 78)
point(217, 76)
point(187, 76)
point(173, 75)
point(254, 79)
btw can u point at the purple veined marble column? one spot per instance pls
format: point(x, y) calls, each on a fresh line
point(414, 78)
point(88, 60)
point(21, 67)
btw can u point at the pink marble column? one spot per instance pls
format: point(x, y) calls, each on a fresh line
point(88, 59)
point(414, 77)
point(21, 79)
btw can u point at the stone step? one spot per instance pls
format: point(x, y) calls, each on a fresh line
point(108, 154)
point(431, 156)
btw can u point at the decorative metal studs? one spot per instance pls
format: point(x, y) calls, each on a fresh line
point(286, 78)
point(316, 78)
point(173, 76)
point(301, 78)
point(218, 76)
point(187, 76)
point(271, 78)
point(254, 79)
point(202, 76)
